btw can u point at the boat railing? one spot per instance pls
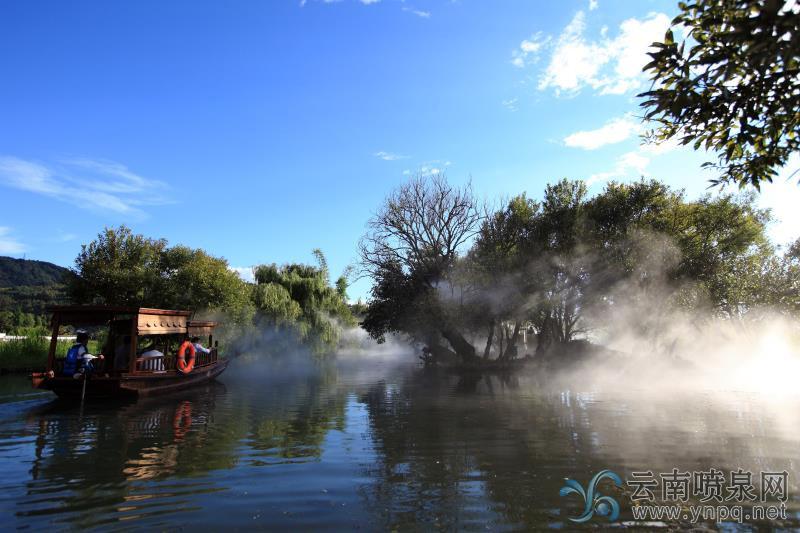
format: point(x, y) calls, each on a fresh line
point(204, 359)
point(154, 364)
point(164, 363)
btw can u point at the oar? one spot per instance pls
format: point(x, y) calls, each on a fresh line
point(83, 393)
point(86, 374)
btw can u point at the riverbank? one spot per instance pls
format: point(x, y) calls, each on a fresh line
point(27, 354)
point(559, 357)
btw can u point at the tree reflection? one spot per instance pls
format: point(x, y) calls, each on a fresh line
point(98, 466)
point(473, 451)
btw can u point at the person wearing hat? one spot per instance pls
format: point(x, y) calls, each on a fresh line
point(78, 362)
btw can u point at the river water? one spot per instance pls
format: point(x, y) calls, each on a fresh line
point(374, 444)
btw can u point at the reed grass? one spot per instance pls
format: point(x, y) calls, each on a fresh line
point(28, 353)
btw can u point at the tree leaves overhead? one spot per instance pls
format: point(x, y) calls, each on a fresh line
point(732, 86)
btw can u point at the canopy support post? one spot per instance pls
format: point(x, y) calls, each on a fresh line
point(134, 343)
point(51, 353)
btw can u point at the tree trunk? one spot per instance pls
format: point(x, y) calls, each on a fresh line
point(511, 348)
point(490, 338)
point(461, 346)
point(442, 354)
point(544, 337)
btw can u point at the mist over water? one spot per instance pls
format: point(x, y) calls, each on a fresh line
point(370, 441)
point(648, 329)
point(367, 438)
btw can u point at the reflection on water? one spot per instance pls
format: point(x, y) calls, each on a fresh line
point(365, 445)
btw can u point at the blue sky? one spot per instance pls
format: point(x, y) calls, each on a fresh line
point(261, 130)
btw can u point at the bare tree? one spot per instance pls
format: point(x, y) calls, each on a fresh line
point(421, 225)
point(410, 248)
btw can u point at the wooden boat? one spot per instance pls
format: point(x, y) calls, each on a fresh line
point(124, 372)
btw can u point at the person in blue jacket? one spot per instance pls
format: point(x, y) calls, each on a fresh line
point(79, 361)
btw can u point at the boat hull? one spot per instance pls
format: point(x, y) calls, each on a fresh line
point(130, 386)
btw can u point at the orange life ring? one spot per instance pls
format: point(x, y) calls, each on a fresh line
point(184, 365)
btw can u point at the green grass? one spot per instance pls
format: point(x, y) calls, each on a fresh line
point(29, 353)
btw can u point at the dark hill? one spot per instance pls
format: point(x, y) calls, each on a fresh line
point(17, 272)
point(29, 286)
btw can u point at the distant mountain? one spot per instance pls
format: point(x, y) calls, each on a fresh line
point(30, 286)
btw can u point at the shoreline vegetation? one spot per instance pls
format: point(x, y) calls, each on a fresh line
point(637, 261)
point(525, 283)
point(28, 353)
point(289, 308)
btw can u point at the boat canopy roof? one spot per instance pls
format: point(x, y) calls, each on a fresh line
point(148, 321)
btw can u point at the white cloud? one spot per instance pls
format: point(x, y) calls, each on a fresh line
point(389, 156)
point(612, 132)
point(593, 5)
point(607, 65)
point(633, 161)
point(629, 163)
point(417, 12)
point(98, 185)
point(368, 2)
point(430, 168)
point(660, 148)
point(246, 273)
point(510, 104)
point(9, 245)
point(528, 51)
point(574, 61)
point(530, 46)
point(782, 196)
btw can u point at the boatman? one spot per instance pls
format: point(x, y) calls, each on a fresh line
point(79, 361)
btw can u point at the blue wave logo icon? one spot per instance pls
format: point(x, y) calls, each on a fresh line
point(594, 502)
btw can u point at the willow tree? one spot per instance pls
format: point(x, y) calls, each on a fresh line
point(300, 299)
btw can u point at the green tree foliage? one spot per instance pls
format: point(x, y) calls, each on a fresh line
point(300, 299)
point(559, 267)
point(18, 322)
point(119, 268)
point(274, 301)
point(122, 268)
point(731, 86)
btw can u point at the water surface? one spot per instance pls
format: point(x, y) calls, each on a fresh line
point(367, 445)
